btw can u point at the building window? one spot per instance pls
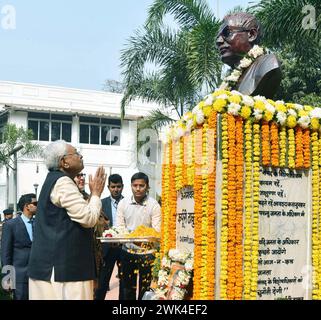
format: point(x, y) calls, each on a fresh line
point(50, 127)
point(99, 131)
point(3, 122)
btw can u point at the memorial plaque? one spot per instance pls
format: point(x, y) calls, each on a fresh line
point(284, 234)
point(185, 220)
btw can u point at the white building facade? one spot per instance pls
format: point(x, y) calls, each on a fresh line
point(89, 120)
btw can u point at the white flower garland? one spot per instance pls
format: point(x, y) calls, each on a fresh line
point(236, 74)
point(182, 278)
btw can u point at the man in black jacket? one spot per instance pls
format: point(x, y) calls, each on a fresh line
point(17, 236)
point(8, 214)
point(61, 265)
point(111, 253)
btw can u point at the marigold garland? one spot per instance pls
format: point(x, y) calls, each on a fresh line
point(172, 204)
point(306, 149)
point(315, 216)
point(274, 142)
point(299, 160)
point(319, 224)
point(248, 210)
point(239, 209)
point(179, 157)
point(231, 187)
point(224, 219)
point(211, 234)
point(280, 136)
point(255, 210)
point(265, 142)
point(188, 158)
point(291, 150)
point(204, 219)
point(191, 159)
point(165, 197)
point(198, 213)
point(283, 146)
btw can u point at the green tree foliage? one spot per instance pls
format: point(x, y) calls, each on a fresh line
point(292, 30)
point(291, 22)
point(301, 80)
point(187, 61)
point(13, 137)
point(113, 86)
point(183, 61)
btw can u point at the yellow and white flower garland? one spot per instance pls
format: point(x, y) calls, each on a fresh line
point(288, 128)
point(256, 108)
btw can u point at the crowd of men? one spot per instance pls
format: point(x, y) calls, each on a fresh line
point(56, 255)
point(53, 244)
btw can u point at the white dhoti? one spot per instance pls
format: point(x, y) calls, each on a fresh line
point(52, 290)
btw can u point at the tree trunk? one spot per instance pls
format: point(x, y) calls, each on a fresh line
point(7, 187)
point(15, 184)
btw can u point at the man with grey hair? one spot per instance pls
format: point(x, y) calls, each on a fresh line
point(61, 265)
point(237, 35)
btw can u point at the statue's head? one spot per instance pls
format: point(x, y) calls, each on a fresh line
point(238, 33)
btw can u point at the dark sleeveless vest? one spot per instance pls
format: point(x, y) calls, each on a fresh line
point(59, 242)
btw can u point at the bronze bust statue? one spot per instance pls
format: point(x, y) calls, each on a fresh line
point(237, 35)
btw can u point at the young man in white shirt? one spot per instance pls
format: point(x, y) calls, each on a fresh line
point(139, 209)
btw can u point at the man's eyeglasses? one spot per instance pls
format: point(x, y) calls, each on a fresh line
point(35, 203)
point(228, 32)
point(81, 175)
point(72, 154)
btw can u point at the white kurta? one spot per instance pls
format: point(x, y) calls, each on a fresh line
point(65, 194)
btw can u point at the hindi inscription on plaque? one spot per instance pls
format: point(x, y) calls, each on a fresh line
point(284, 234)
point(185, 219)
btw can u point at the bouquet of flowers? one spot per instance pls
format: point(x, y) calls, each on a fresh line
point(115, 232)
point(174, 275)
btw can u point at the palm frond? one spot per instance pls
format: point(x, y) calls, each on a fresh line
point(204, 62)
point(283, 23)
point(155, 120)
point(186, 12)
point(185, 60)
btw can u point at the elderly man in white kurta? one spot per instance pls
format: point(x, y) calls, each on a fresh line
point(61, 265)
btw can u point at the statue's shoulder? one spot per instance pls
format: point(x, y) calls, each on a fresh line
point(266, 63)
point(263, 77)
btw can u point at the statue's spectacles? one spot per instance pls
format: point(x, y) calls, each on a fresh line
point(227, 32)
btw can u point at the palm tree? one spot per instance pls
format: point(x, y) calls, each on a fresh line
point(185, 60)
point(286, 22)
point(289, 30)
